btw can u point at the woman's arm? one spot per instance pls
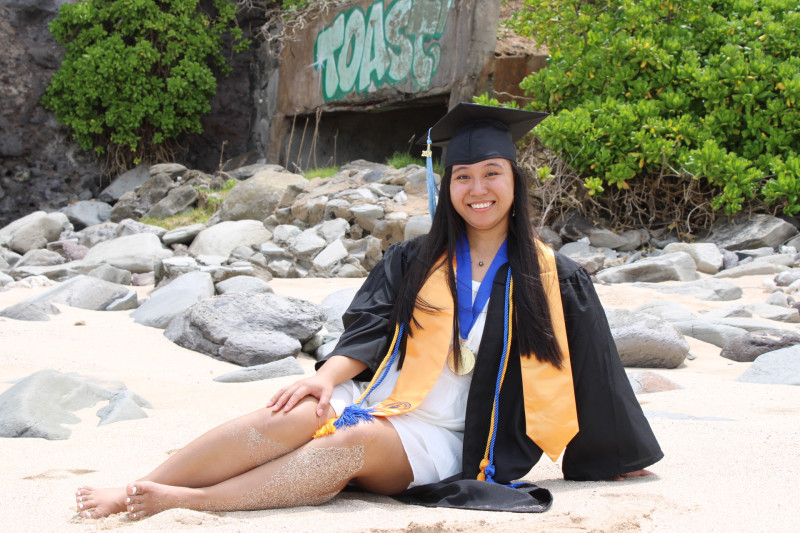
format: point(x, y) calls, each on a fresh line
point(336, 370)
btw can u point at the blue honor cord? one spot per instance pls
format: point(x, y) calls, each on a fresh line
point(468, 314)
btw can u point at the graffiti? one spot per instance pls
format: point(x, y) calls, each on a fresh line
point(385, 46)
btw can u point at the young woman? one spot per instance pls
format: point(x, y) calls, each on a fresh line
point(467, 353)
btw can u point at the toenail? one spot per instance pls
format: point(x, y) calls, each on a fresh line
point(133, 490)
point(80, 505)
point(134, 515)
point(127, 500)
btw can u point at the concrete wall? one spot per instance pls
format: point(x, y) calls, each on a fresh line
point(374, 73)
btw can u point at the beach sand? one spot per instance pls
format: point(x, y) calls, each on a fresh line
point(732, 449)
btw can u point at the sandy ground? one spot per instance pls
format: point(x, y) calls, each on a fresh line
point(732, 453)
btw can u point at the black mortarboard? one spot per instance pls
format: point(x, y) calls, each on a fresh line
point(473, 133)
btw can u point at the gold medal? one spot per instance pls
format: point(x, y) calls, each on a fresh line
point(467, 361)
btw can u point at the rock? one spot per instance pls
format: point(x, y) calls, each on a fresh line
point(111, 274)
point(306, 246)
point(729, 259)
point(329, 257)
point(706, 256)
point(604, 238)
point(7, 232)
point(705, 289)
point(207, 325)
point(177, 200)
point(367, 251)
point(666, 310)
point(5, 279)
point(171, 300)
point(333, 230)
point(257, 348)
point(710, 332)
point(248, 171)
point(135, 253)
point(335, 305)
point(87, 213)
point(125, 405)
point(60, 272)
point(747, 324)
point(645, 381)
point(780, 367)
point(777, 299)
point(184, 235)
point(746, 348)
point(750, 231)
point(30, 311)
point(96, 234)
point(128, 226)
point(256, 198)
point(243, 284)
point(69, 249)
point(587, 256)
point(417, 225)
point(366, 215)
point(285, 234)
point(776, 312)
point(548, 236)
point(39, 257)
point(142, 279)
point(39, 405)
point(128, 181)
point(39, 232)
point(91, 293)
point(786, 278)
point(678, 266)
point(646, 340)
point(134, 204)
point(324, 350)
point(731, 311)
point(288, 366)
point(222, 238)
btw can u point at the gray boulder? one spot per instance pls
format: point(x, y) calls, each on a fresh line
point(707, 256)
point(173, 299)
point(586, 255)
point(710, 332)
point(87, 213)
point(129, 226)
point(184, 235)
point(678, 266)
point(111, 274)
point(221, 239)
point(125, 405)
point(335, 305)
point(39, 257)
point(709, 289)
point(417, 225)
point(7, 232)
point(645, 381)
point(257, 348)
point(128, 181)
point(256, 198)
point(177, 200)
point(210, 324)
point(38, 232)
point(666, 310)
point(750, 231)
point(5, 279)
point(135, 253)
point(776, 312)
point(288, 366)
point(746, 348)
point(243, 284)
point(784, 279)
point(646, 340)
point(39, 405)
point(780, 367)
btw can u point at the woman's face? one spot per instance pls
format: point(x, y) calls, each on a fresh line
point(483, 193)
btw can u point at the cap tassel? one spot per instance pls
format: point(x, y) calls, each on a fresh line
point(433, 190)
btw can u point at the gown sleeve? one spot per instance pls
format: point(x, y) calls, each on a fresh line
point(367, 328)
point(614, 436)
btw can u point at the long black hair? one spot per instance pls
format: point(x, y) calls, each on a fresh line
point(532, 324)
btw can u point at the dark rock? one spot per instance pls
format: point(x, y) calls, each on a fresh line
point(746, 348)
point(750, 231)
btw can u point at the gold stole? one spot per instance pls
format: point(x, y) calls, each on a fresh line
point(550, 413)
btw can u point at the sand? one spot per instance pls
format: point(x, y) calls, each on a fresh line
point(732, 449)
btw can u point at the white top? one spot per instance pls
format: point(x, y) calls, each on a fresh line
point(433, 433)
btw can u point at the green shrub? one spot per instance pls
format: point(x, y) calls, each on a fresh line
point(653, 94)
point(324, 172)
point(138, 73)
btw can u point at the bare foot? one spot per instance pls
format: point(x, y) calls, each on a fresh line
point(635, 473)
point(145, 498)
point(97, 503)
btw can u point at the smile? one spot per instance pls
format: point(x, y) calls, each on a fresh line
point(482, 205)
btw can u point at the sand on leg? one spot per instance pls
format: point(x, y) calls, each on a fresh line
point(370, 453)
point(224, 452)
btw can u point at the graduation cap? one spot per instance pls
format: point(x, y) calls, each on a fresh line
point(473, 133)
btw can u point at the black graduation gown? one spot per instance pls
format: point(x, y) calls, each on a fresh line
point(614, 436)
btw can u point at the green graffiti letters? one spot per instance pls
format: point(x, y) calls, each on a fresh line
point(382, 47)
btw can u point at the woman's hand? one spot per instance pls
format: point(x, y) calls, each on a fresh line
point(317, 386)
point(635, 473)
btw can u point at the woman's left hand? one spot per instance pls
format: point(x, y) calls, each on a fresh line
point(635, 473)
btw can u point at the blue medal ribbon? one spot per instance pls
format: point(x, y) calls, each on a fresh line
point(468, 315)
